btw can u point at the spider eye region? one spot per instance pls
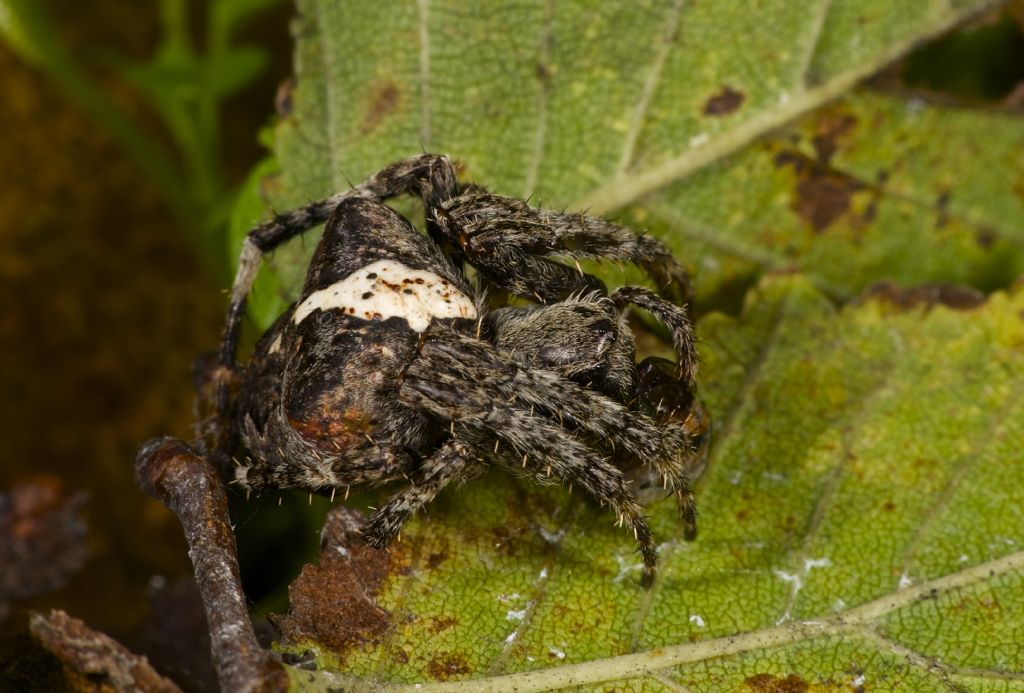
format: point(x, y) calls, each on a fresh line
point(387, 289)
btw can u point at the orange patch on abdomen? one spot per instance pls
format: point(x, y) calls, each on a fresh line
point(333, 429)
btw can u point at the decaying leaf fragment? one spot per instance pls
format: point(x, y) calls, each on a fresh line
point(335, 603)
point(94, 661)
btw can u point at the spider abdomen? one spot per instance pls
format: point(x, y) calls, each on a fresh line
point(386, 289)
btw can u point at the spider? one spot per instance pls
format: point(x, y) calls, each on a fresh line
point(391, 367)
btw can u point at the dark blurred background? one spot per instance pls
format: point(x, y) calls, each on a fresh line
point(106, 301)
point(112, 281)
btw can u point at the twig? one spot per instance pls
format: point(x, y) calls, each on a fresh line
point(184, 481)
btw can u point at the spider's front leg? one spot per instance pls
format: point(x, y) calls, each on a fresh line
point(586, 340)
point(513, 244)
point(536, 420)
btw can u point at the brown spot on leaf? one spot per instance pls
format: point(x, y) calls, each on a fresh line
point(439, 624)
point(888, 506)
point(444, 666)
point(726, 101)
point(986, 238)
point(383, 98)
point(435, 559)
point(766, 683)
point(981, 608)
point(821, 195)
point(926, 296)
point(828, 133)
point(942, 207)
point(335, 603)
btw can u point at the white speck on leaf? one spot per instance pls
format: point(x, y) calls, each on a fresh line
point(552, 537)
point(555, 651)
point(625, 568)
point(789, 577)
point(696, 620)
point(516, 615)
point(810, 563)
point(905, 581)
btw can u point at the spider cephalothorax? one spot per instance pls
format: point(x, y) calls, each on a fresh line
point(392, 366)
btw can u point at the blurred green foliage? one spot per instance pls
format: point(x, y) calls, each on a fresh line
point(185, 82)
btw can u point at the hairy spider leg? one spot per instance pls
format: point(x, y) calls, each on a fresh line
point(459, 372)
point(454, 357)
point(431, 176)
point(675, 318)
point(457, 357)
point(507, 240)
point(449, 463)
point(659, 393)
point(547, 451)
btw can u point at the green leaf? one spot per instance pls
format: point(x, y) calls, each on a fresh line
point(860, 525)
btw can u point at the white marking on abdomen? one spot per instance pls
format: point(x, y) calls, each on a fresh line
point(387, 289)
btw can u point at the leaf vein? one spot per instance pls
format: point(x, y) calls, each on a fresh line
point(651, 83)
point(963, 465)
point(639, 664)
point(540, 132)
point(814, 40)
point(423, 7)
